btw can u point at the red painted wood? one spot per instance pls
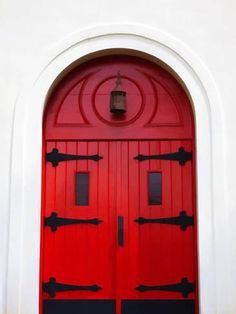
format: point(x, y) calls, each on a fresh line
point(157, 106)
point(158, 121)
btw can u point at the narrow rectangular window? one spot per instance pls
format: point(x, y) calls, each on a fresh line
point(154, 188)
point(82, 188)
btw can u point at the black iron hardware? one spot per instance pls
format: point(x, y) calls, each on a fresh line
point(181, 156)
point(54, 221)
point(184, 287)
point(52, 287)
point(183, 220)
point(118, 98)
point(55, 157)
point(120, 230)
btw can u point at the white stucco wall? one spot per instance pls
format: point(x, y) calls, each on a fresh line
point(34, 33)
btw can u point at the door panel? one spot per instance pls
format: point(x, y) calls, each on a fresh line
point(80, 254)
point(151, 270)
point(155, 253)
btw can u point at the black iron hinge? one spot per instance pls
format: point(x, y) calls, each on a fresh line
point(55, 157)
point(183, 220)
point(52, 287)
point(54, 221)
point(181, 156)
point(184, 287)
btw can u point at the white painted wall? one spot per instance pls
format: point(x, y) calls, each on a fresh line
point(33, 37)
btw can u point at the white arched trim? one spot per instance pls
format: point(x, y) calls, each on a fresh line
point(22, 280)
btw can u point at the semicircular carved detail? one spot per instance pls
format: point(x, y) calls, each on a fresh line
point(166, 110)
point(70, 111)
point(157, 106)
point(167, 113)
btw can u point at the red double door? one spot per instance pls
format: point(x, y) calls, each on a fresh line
point(119, 228)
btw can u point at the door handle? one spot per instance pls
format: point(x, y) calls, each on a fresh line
point(120, 230)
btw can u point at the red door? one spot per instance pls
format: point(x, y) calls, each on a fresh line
point(118, 201)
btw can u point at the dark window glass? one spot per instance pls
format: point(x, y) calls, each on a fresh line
point(154, 188)
point(82, 188)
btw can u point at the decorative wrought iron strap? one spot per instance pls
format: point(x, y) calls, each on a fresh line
point(55, 157)
point(183, 220)
point(184, 287)
point(54, 221)
point(52, 287)
point(181, 156)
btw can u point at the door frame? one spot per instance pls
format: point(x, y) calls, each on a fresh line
point(22, 276)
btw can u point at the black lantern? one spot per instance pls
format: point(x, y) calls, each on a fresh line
point(118, 98)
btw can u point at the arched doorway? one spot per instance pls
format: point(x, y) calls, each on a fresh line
point(119, 193)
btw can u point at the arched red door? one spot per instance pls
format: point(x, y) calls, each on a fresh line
point(119, 233)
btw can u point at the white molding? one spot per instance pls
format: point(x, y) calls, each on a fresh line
point(25, 198)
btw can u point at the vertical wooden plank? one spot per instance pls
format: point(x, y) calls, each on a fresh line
point(169, 211)
point(49, 239)
point(123, 211)
point(59, 268)
point(145, 211)
point(74, 263)
point(93, 169)
point(177, 234)
point(119, 250)
point(188, 206)
point(70, 209)
point(112, 213)
point(133, 261)
point(105, 245)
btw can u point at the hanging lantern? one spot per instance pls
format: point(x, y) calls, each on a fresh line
point(118, 98)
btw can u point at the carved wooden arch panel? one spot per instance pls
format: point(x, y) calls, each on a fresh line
point(157, 105)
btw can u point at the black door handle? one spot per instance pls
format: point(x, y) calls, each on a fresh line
point(120, 230)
